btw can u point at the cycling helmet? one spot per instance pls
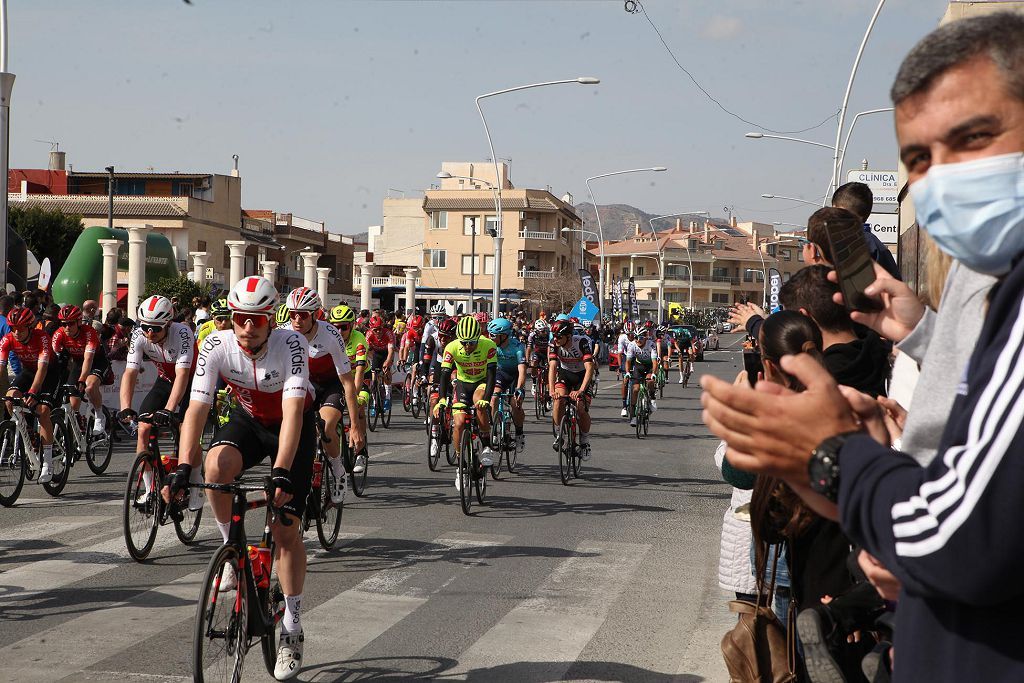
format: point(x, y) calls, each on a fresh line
point(561, 316)
point(561, 328)
point(541, 326)
point(446, 328)
point(437, 310)
point(416, 322)
point(468, 329)
point(283, 315)
point(499, 326)
point(574, 320)
point(253, 294)
point(304, 299)
point(70, 314)
point(156, 310)
point(342, 314)
point(376, 322)
point(19, 316)
point(482, 318)
point(219, 309)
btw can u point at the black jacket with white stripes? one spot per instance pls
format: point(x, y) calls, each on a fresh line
point(953, 532)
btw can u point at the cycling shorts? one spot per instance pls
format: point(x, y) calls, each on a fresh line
point(255, 442)
point(157, 397)
point(100, 368)
point(640, 371)
point(539, 358)
point(507, 379)
point(464, 391)
point(330, 394)
point(23, 381)
point(571, 381)
point(377, 359)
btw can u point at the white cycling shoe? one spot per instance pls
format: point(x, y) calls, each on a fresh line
point(289, 656)
point(360, 465)
point(228, 578)
point(338, 488)
point(46, 471)
point(654, 406)
point(485, 456)
point(624, 413)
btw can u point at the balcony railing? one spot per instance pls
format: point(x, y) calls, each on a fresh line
point(537, 274)
point(536, 235)
point(386, 281)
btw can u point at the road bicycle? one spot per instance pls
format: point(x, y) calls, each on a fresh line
point(348, 456)
point(320, 509)
point(642, 408)
point(541, 396)
point(412, 392)
point(568, 442)
point(378, 401)
point(503, 436)
point(21, 453)
point(143, 509)
point(661, 378)
point(223, 404)
point(229, 621)
point(472, 477)
point(78, 428)
point(439, 429)
point(687, 369)
point(420, 402)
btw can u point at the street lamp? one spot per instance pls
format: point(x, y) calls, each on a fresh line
point(499, 235)
point(661, 252)
point(792, 199)
point(764, 282)
point(584, 232)
point(445, 175)
point(758, 136)
point(600, 229)
point(849, 133)
point(799, 228)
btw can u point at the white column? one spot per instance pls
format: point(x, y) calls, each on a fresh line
point(322, 275)
point(237, 272)
point(309, 259)
point(365, 275)
point(270, 271)
point(410, 287)
point(199, 266)
point(136, 266)
point(108, 295)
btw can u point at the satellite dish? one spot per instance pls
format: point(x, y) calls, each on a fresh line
point(44, 275)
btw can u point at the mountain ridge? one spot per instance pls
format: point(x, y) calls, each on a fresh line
point(618, 221)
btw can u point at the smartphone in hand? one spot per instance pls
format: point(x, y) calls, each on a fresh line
point(853, 264)
point(752, 365)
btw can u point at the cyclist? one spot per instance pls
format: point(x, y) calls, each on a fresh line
point(475, 361)
point(511, 373)
point(625, 339)
point(88, 362)
point(570, 372)
point(537, 350)
point(330, 373)
point(684, 347)
point(430, 361)
point(344, 318)
point(37, 380)
point(410, 344)
point(380, 343)
point(663, 344)
point(641, 364)
point(437, 314)
point(220, 319)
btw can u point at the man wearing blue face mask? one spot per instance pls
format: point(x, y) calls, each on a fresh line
point(952, 532)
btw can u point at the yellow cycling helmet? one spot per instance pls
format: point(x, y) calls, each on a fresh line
point(342, 314)
point(283, 314)
point(468, 329)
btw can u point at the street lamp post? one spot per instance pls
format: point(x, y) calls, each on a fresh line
point(6, 88)
point(792, 199)
point(499, 235)
point(584, 232)
point(853, 124)
point(445, 175)
point(758, 136)
point(661, 252)
point(600, 229)
point(798, 227)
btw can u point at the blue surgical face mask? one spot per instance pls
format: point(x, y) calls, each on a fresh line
point(974, 210)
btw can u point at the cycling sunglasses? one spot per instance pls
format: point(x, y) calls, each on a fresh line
point(152, 329)
point(255, 319)
point(300, 315)
point(344, 327)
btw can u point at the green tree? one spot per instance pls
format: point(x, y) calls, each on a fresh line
point(47, 234)
point(181, 287)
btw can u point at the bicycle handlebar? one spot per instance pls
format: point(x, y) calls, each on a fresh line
point(267, 488)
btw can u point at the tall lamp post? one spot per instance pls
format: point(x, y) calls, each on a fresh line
point(600, 229)
point(6, 87)
point(445, 175)
point(583, 232)
point(661, 255)
point(792, 199)
point(499, 235)
point(853, 124)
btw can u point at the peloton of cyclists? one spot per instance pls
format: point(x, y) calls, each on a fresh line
point(88, 364)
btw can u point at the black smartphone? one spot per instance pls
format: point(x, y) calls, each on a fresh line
point(853, 264)
point(752, 365)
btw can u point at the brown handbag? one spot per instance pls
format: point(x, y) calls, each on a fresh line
point(759, 649)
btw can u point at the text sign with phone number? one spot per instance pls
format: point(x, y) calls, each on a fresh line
point(885, 185)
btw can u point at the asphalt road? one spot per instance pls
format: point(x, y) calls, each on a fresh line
point(613, 578)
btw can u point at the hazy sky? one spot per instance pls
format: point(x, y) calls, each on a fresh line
point(329, 104)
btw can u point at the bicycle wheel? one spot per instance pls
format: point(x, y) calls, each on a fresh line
point(639, 411)
point(188, 527)
point(359, 480)
point(497, 445)
point(272, 600)
point(647, 420)
point(63, 450)
point(12, 464)
point(577, 457)
point(374, 408)
point(538, 402)
point(221, 635)
point(141, 509)
point(407, 393)
point(513, 453)
point(328, 522)
point(450, 454)
point(564, 451)
point(433, 456)
point(480, 486)
point(466, 469)
point(385, 417)
point(98, 450)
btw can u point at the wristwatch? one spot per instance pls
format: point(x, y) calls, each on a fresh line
point(823, 467)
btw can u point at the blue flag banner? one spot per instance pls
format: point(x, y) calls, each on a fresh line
point(584, 310)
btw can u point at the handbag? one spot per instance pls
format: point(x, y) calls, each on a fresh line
point(759, 649)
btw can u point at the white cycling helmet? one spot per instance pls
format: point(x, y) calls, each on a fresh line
point(437, 309)
point(156, 310)
point(253, 294)
point(304, 299)
point(541, 326)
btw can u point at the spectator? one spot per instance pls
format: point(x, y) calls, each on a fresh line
point(858, 199)
point(120, 330)
point(91, 315)
point(202, 311)
point(50, 322)
point(951, 532)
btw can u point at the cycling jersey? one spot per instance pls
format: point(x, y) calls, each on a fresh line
point(623, 343)
point(328, 357)
point(35, 350)
point(643, 355)
point(86, 341)
point(379, 340)
point(259, 385)
point(470, 367)
point(538, 340)
point(511, 354)
point(411, 338)
point(399, 327)
point(177, 350)
point(204, 330)
point(574, 355)
point(355, 347)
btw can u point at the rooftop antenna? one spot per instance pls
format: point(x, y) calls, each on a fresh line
point(54, 145)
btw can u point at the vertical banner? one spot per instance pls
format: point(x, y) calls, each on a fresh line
point(634, 305)
point(589, 290)
point(774, 286)
point(617, 298)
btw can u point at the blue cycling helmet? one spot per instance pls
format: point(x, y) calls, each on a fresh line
point(562, 316)
point(499, 326)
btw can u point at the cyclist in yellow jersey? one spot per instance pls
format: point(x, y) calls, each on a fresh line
point(220, 319)
point(344, 318)
point(475, 360)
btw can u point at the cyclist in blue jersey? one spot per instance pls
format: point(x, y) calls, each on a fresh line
point(511, 375)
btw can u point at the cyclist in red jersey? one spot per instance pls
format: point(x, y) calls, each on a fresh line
point(37, 379)
point(411, 340)
point(88, 363)
point(380, 341)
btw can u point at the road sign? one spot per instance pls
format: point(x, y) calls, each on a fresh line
point(886, 227)
point(885, 185)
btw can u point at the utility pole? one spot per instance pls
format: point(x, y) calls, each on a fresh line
point(110, 197)
point(6, 87)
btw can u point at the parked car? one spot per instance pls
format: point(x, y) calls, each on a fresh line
point(727, 326)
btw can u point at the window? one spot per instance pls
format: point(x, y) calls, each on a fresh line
point(227, 257)
point(639, 270)
point(719, 298)
point(124, 186)
point(720, 273)
point(469, 223)
point(691, 244)
point(435, 258)
point(439, 220)
point(800, 255)
point(719, 244)
point(488, 265)
point(491, 227)
point(202, 245)
point(771, 249)
point(625, 271)
point(470, 265)
point(787, 255)
point(181, 188)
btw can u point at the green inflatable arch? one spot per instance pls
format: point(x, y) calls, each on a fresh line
point(81, 278)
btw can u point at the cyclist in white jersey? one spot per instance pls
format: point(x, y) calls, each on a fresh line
point(268, 372)
point(625, 339)
point(642, 359)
